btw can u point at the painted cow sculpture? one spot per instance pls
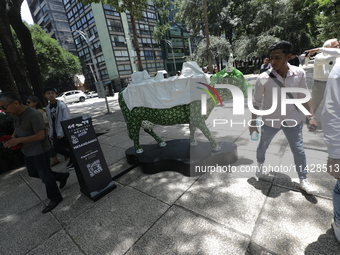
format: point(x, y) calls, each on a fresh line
point(143, 117)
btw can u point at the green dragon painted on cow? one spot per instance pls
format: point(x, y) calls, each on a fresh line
point(144, 117)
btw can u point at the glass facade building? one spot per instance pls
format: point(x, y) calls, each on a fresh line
point(50, 15)
point(106, 45)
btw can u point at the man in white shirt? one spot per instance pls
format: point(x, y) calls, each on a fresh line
point(323, 65)
point(330, 120)
point(291, 123)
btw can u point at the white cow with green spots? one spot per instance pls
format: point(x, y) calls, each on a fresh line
point(144, 117)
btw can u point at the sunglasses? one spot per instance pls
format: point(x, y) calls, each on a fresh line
point(4, 107)
point(28, 102)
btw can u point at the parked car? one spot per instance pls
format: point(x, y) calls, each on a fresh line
point(91, 94)
point(72, 96)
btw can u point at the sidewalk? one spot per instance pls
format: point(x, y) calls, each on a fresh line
point(168, 213)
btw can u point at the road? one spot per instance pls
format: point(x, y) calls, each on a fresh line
point(94, 106)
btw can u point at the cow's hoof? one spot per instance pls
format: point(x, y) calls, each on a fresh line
point(162, 144)
point(139, 151)
point(193, 143)
point(217, 148)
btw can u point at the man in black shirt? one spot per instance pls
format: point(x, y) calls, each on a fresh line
point(30, 130)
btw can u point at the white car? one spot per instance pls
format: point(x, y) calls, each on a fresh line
point(91, 94)
point(72, 96)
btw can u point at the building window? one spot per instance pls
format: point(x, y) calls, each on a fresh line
point(108, 10)
point(122, 55)
point(103, 74)
point(70, 16)
point(159, 64)
point(152, 16)
point(148, 54)
point(39, 15)
point(118, 40)
point(93, 31)
point(80, 7)
point(144, 29)
point(159, 54)
point(124, 69)
point(97, 48)
point(115, 25)
point(147, 42)
point(44, 8)
point(100, 59)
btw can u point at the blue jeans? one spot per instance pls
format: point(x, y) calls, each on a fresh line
point(336, 202)
point(294, 137)
point(39, 167)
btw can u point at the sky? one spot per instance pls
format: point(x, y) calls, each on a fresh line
point(25, 13)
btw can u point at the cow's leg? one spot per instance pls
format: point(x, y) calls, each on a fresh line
point(156, 137)
point(192, 129)
point(203, 127)
point(133, 129)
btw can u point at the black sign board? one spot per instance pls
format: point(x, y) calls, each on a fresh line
point(92, 171)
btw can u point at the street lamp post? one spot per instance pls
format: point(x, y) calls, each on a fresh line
point(97, 76)
point(173, 56)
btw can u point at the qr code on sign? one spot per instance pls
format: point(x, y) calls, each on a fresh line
point(94, 168)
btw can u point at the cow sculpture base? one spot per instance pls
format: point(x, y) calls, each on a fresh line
point(178, 155)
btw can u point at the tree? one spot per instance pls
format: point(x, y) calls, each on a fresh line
point(134, 8)
point(327, 20)
point(206, 32)
point(12, 55)
point(7, 82)
point(57, 65)
point(24, 36)
point(218, 48)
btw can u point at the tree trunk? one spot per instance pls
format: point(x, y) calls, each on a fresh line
point(206, 31)
point(14, 61)
point(136, 44)
point(7, 83)
point(25, 39)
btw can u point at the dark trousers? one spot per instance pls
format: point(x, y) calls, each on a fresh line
point(59, 146)
point(39, 167)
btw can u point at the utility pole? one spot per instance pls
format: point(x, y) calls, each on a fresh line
point(96, 77)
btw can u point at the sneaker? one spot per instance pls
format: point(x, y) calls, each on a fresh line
point(307, 187)
point(336, 229)
point(259, 173)
point(70, 165)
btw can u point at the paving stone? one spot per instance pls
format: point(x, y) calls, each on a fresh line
point(21, 232)
point(229, 201)
point(183, 232)
point(289, 222)
point(13, 187)
point(115, 224)
point(165, 186)
point(59, 243)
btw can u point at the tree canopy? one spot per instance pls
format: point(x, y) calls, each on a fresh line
point(57, 65)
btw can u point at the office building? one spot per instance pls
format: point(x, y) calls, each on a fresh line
point(51, 16)
point(103, 41)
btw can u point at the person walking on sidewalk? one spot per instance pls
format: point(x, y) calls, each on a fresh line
point(322, 67)
point(291, 123)
point(330, 119)
point(34, 102)
point(57, 111)
point(265, 66)
point(30, 131)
